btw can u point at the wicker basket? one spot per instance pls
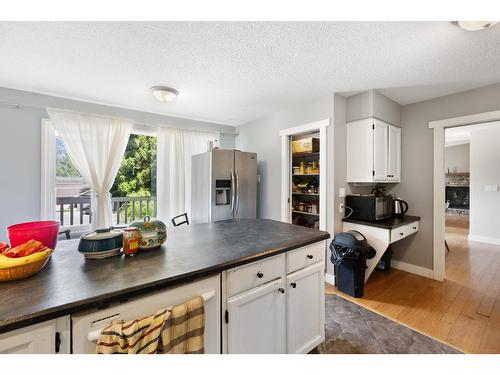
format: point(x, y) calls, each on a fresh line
point(23, 270)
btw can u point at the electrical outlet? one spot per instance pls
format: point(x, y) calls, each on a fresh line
point(341, 208)
point(258, 178)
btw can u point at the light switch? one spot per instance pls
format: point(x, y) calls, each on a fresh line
point(341, 192)
point(491, 188)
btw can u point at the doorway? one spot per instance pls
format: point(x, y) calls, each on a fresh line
point(484, 228)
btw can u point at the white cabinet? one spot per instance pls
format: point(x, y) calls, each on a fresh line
point(283, 315)
point(49, 337)
point(394, 154)
point(88, 324)
point(305, 309)
point(256, 320)
point(373, 151)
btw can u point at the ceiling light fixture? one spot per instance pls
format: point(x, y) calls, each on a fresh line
point(474, 25)
point(164, 94)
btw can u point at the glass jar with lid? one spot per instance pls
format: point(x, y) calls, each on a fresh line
point(131, 237)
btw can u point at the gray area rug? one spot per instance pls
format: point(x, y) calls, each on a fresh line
point(352, 329)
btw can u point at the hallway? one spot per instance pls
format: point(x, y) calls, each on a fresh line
point(463, 311)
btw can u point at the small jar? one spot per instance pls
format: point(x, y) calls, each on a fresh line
point(131, 238)
point(302, 168)
point(301, 206)
point(309, 208)
point(296, 170)
point(309, 168)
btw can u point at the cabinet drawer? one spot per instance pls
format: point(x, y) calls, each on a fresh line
point(399, 233)
point(305, 256)
point(413, 228)
point(249, 276)
point(403, 231)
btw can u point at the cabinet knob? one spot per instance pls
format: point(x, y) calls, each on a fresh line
point(260, 275)
point(414, 228)
point(401, 233)
point(309, 256)
point(293, 285)
point(282, 290)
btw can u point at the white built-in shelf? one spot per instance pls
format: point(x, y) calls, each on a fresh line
point(311, 194)
point(305, 154)
point(305, 213)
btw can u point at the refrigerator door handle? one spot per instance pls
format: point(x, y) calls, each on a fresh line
point(233, 187)
point(237, 193)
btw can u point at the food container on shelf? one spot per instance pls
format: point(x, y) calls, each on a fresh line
point(301, 206)
point(19, 268)
point(131, 238)
point(309, 168)
point(102, 243)
point(153, 232)
point(44, 231)
point(302, 168)
point(305, 146)
point(296, 170)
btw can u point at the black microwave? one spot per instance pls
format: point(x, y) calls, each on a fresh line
point(368, 207)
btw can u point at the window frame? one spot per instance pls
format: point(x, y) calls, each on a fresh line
point(49, 178)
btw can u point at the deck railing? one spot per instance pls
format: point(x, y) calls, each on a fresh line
point(76, 210)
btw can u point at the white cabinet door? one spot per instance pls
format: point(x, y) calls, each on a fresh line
point(35, 339)
point(360, 151)
point(305, 309)
point(380, 150)
point(394, 158)
point(256, 320)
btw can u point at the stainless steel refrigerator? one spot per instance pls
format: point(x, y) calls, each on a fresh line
point(223, 186)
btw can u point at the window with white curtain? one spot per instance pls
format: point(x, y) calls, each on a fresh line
point(175, 149)
point(161, 156)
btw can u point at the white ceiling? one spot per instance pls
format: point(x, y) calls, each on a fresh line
point(236, 72)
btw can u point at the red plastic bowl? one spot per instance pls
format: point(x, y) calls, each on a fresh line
point(44, 231)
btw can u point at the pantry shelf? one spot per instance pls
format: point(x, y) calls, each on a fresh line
point(311, 194)
point(305, 213)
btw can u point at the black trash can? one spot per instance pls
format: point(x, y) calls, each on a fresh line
point(349, 253)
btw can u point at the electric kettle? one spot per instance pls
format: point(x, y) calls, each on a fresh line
point(399, 206)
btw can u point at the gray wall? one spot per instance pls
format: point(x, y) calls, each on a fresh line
point(262, 136)
point(456, 158)
point(373, 104)
point(417, 162)
point(20, 134)
point(484, 162)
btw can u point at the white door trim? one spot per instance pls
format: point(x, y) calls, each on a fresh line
point(285, 168)
point(48, 171)
point(439, 127)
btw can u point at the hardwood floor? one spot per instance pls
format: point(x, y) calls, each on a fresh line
point(463, 311)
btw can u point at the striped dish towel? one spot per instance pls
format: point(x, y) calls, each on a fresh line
point(175, 330)
point(184, 329)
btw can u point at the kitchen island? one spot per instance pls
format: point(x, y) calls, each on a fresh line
point(70, 284)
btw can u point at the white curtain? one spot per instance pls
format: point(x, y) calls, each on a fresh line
point(175, 148)
point(96, 145)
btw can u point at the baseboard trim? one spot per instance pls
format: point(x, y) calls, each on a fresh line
point(330, 279)
point(484, 239)
point(417, 270)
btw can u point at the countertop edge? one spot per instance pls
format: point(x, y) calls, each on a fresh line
point(375, 224)
point(104, 299)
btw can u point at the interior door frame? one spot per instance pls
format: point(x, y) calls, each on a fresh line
point(285, 134)
point(439, 215)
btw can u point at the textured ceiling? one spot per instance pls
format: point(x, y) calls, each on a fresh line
point(238, 71)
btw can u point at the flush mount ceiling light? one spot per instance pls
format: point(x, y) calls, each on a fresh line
point(474, 25)
point(164, 94)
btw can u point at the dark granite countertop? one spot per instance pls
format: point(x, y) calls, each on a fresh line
point(391, 223)
point(70, 283)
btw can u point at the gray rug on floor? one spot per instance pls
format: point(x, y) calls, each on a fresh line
point(352, 329)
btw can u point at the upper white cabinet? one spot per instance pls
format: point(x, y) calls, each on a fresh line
point(373, 151)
